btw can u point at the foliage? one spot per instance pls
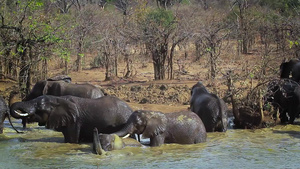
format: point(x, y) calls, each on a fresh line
point(285, 7)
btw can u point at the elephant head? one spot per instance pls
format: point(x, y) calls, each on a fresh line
point(150, 124)
point(287, 67)
point(39, 88)
point(36, 91)
point(199, 88)
point(109, 142)
point(50, 111)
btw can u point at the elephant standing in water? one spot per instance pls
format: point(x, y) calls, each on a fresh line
point(210, 108)
point(62, 88)
point(284, 95)
point(4, 112)
point(75, 117)
point(109, 142)
point(180, 127)
point(291, 67)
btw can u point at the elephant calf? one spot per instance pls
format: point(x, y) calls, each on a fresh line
point(209, 107)
point(181, 127)
point(109, 142)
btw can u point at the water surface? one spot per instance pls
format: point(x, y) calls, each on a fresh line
point(277, 147)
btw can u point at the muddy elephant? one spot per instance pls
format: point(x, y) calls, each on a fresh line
point(62, 88)
point(109, 142)
point(210, 108)
point(180, 127)
point(4, 112)
point(291, 67)
point(75, 117)
point(284, 95)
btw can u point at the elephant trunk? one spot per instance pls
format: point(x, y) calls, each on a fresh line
point(20, 110)
point(127, 129)
point(96, 143)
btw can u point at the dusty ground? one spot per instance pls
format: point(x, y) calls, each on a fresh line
point(142, 92)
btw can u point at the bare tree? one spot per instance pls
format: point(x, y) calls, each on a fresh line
point(86, 23)
point(24, 21)
point(211, 39)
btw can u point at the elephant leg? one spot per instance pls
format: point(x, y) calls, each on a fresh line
point(157, 140)
point(24, 121)
point(71, 133)
point(283, 117)
point(292, 117)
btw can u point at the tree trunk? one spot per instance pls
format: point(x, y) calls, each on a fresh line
point(79, 55)
point(212, 66)
point(159, 55)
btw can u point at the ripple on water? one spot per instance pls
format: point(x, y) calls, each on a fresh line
point(276, 147)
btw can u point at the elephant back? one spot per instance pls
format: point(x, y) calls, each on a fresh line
point(185, 127)
point(111, 112)
point(65, 78)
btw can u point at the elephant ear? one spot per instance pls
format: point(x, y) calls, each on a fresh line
point(64, 113)
point(52, 88)
point(156, 125)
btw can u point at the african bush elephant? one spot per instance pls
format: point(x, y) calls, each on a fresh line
point(209, 107)
point(109, 142)
point(284, 95)
point(291, 67)
point(75, 117)
point(180, 127)
point(65, 78)
point(62, 88)
point(4, 112)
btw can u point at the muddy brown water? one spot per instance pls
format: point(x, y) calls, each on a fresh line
point(277, 147)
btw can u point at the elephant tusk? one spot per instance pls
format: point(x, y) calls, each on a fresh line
point(21, 114)
point(126, 136)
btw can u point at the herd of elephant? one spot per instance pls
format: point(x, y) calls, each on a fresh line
point(83, 113)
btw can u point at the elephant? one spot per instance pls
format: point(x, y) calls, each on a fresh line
point(62, 88)
point(183, 127)
point(109, 142)
point(284, 95)
point(65, 78)
point(291, 67)
point(75, 117)
point(210, 108)
point(4, 112)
